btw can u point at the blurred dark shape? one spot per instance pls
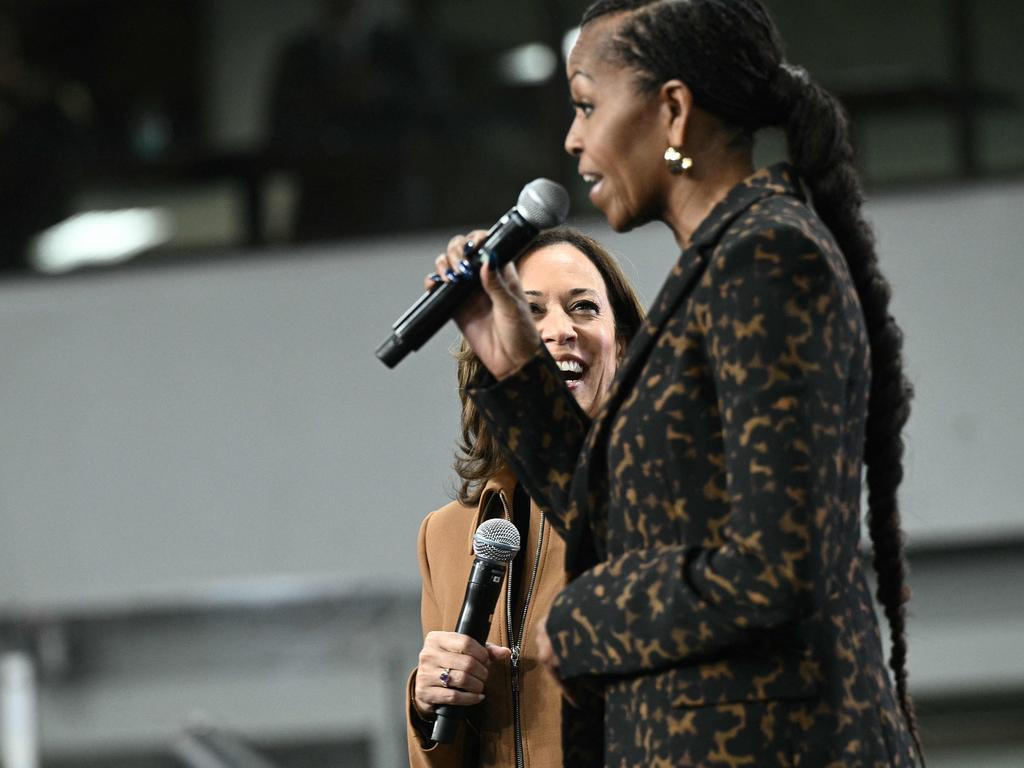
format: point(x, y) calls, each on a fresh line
point(43, 143)
point(355, 105)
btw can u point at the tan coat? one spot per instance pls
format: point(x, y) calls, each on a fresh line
point(446, 556)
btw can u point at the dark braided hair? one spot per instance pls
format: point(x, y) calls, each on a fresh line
point(750, 88)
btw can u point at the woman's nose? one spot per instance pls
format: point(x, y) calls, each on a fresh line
point(573, 145)
point(557, 328)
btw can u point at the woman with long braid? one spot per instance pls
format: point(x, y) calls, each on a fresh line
point(711, 509)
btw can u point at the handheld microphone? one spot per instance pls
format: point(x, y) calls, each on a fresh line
point(495, 544)
point(542, 204)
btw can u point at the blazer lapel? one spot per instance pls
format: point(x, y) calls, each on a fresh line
point(583, 547)
point(777, 179)
point(677, 286)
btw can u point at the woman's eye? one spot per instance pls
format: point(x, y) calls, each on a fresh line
point(583, 107)
point(585, 306)
point(536, 309)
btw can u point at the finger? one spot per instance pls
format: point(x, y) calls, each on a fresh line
point(428, 695)
point(498, 652)
point(450, 270)
point(460, 255)
point(434, 658)
point(431, 281)
point(463, 666)
point(464, 681)
point(438, 643)
point(453, 642)
point(502, 285)
point(435, 697)
point(465, 246)
point(431, 680)
point(545, 651)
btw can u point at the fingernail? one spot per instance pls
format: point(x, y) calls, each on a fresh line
point(468, 246)
point(450, 274)
point(435, 278)
point(466, 267)
point(485, 257)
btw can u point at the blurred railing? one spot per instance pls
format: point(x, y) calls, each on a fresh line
point(212, 678)
point(234, 678)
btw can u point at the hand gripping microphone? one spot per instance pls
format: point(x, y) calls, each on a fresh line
point(495, 544)
point(542, 204)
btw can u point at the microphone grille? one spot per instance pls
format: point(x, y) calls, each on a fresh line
point(543, 203)
point(496, 540)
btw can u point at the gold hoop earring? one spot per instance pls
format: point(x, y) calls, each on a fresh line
point(676, 161)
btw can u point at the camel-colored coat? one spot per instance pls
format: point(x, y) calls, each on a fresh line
point(445, 557)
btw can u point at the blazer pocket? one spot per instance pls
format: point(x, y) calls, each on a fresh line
point(740, 679)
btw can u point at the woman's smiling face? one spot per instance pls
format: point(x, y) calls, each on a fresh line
point(570, 307)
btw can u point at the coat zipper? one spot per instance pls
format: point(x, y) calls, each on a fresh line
point(516, 647)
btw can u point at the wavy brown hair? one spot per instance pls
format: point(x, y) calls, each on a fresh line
point(478, 456)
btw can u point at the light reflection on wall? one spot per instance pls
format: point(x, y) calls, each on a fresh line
point(100, 238)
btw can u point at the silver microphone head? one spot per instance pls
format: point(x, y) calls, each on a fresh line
point(496, 540)
point(543, 203)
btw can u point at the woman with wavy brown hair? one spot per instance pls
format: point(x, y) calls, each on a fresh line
point(586, 312)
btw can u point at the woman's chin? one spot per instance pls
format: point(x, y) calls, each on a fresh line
point(619, 219)
point(583, 397)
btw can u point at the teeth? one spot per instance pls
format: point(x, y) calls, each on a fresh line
point(590, 178)
point(570, 366)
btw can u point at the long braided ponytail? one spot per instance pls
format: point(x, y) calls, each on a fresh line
point(819, 146)
point(757, 89)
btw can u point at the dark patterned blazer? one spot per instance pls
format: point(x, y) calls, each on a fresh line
point(712, 509)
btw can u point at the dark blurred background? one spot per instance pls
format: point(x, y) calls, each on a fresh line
point(248, 123)
point(210, 213)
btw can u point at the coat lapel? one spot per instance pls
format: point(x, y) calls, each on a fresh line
point(777, 179)
point(588, 493)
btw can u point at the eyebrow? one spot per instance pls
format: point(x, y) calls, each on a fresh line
point(581, 73)
point(573, 292)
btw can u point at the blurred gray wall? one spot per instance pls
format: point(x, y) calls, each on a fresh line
point(210, 488)
point(174, 428)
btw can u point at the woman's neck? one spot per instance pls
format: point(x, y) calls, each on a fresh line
point(693, 197)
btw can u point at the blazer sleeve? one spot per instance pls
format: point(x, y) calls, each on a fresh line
point(424, 753)
point(541, 429)
point(778, 342)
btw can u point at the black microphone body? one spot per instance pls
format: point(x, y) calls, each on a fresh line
point(508, 238)
point(495, 544)
point(482, 593)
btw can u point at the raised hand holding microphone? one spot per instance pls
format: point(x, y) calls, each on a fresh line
point(496, 321)
point(542, 204)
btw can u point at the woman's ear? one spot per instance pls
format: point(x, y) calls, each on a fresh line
point(620, 348)
point(676, 100)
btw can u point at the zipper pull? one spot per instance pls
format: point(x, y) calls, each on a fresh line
point(515, 667)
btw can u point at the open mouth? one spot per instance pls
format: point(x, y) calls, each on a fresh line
point(572, 372)
point(593, 180)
